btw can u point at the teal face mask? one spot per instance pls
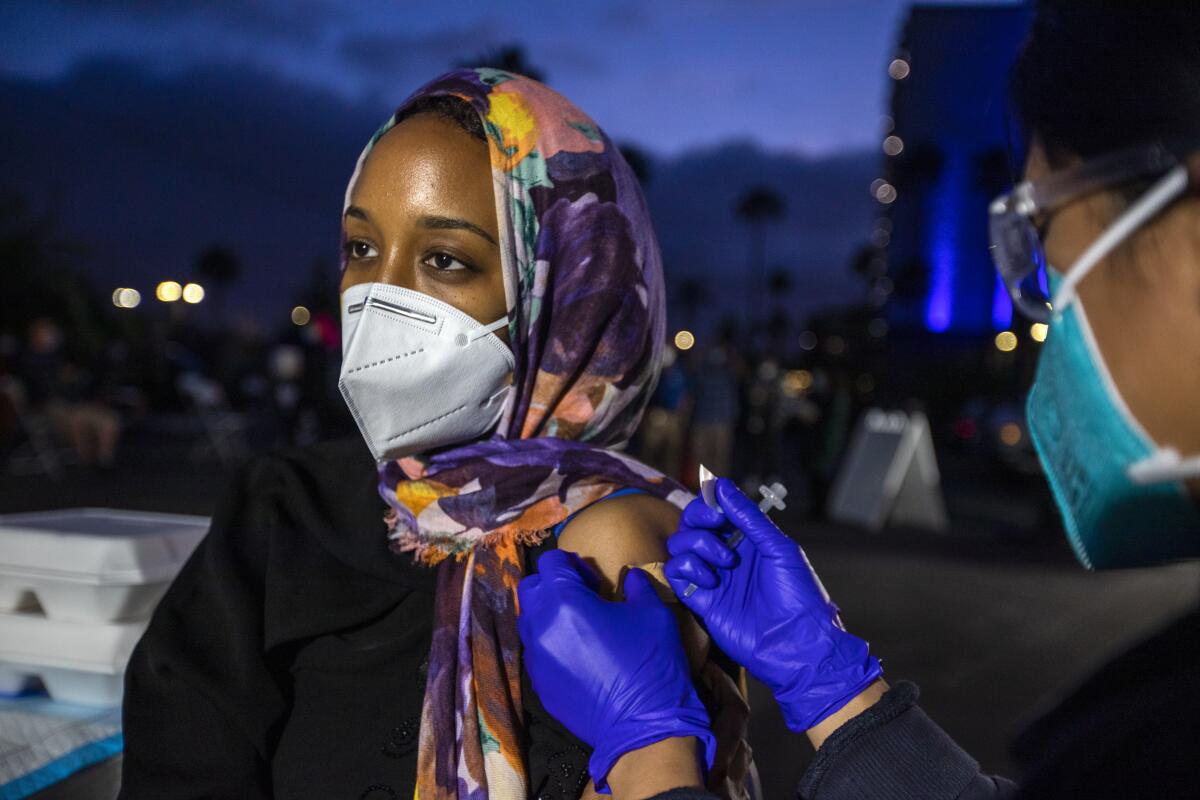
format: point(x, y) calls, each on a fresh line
point(1121, 497)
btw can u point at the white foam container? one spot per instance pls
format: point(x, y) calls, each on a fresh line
point(77, 663)
point(93, 564)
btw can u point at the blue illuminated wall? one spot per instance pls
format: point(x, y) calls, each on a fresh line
point(960, 149)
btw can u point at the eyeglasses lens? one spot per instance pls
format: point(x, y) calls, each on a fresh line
point(1020, 259)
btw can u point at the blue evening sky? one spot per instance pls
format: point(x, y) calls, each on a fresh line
point(806, 76)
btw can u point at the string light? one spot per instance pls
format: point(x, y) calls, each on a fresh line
point(1038, 331)
point(193, 293)
point(1006, 341)
point(301, 316)
point(685, 340)
point(899, 69)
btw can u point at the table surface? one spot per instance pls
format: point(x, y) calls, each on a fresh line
point(100, 781)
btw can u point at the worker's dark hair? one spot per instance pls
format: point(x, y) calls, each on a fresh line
point(460, 112)
point(1093, 78)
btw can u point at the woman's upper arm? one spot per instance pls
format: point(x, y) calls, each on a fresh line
point(621, 532)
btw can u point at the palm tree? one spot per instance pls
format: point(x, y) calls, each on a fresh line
point(691, 293)
point(757, 207)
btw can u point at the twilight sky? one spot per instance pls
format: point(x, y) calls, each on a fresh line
point(151, 129)
point(805, 76)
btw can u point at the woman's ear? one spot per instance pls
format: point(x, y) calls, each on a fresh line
point(1037, 165)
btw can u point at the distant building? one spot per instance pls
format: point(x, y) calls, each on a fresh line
point(950, 148)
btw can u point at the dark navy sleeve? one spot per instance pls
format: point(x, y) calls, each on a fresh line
point(894, 751)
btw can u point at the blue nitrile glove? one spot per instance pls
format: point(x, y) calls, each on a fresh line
point(614, 673)
point(766, 608)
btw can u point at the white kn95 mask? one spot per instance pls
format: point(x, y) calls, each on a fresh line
point(418, 373)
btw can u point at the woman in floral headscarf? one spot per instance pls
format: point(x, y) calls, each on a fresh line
point(491, 193)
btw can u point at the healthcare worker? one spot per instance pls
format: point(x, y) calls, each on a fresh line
point(1110, 103)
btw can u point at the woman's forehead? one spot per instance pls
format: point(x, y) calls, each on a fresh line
point(425, 160)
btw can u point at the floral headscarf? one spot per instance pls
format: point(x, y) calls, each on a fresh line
point(584, 287)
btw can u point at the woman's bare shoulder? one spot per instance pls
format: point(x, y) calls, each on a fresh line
point(617, 533)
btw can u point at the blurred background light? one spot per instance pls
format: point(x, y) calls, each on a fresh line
point(685, 340)
point(899, 69)
point(126, 298)
point(193, 293)
point(893, 145)
point(300, 316)
point(1006, 341)
point(1038, 331)
point(1010, 434)
point(168, 291)
point(796, 382)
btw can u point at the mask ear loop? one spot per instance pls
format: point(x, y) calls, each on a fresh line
point(1169, 187)
point(1164, 466)
point(465, 339)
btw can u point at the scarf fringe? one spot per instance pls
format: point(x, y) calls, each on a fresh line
point(432, 549)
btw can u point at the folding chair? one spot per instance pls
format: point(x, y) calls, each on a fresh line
point(37, 451)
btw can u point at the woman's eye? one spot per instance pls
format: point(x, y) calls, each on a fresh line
point(357, 249)
point(443, 262)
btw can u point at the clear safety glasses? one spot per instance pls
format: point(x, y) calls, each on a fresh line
point(1015, 218)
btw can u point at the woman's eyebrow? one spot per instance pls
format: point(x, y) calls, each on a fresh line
point(446, 223)
point(357, 213)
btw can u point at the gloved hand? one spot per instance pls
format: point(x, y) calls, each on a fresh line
point(614, 673)
point(766, 609)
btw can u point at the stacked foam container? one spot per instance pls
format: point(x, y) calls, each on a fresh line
point(77, 588)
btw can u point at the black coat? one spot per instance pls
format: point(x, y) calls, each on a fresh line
point(287, 659)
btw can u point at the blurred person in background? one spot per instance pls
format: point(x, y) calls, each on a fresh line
point(67, 394)
point(663, 433)
point(763, 426)
point(1101, 242)
point(348, 628)
point(715, 413)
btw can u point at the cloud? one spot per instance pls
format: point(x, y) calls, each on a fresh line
point(391, 56)
point(299, 21)
point(150, 168)
point(625, 17)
